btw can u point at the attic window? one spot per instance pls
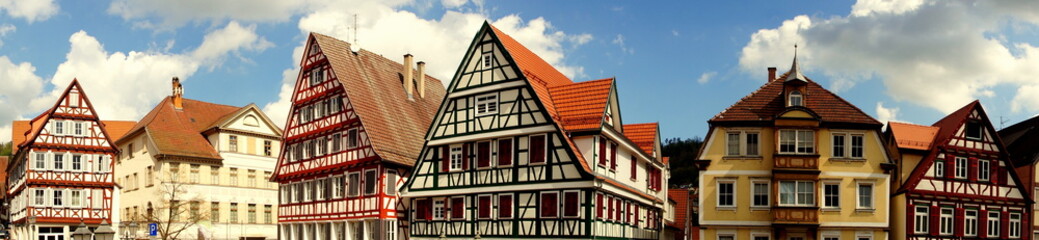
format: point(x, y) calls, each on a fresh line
point(973, 129)
point(317, 76)
point(487, 60)
point(486, 105)
point(796, 99)
point(74, 99)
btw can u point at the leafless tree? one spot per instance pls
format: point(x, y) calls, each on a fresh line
point(175, 212)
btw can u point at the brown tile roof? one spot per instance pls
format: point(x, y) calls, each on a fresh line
point(179, 132)
point(912, 136)
point(395, 125)
point(682, 199)
point(643, 135)
point(20, 130)
point(581, 105)
point(767, 102)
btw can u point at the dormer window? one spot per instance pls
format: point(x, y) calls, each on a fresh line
point(796, 99)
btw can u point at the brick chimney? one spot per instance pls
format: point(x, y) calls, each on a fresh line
point(771, 74)
point(178, 94)
point(421, 79)
point(409, 83)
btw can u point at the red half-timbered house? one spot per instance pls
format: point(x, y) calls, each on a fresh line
point(61, 174)
point(354, 131)
point(956, 181)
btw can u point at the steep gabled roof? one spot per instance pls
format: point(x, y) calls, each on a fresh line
point(396, 126)
point(178, 132)
point(36, 124)
point(766, 103)
point(541, 74)
point(1022, 141)
point(643, 135)
point(21, 129)
point(682, 199)
point(912, 136)
point(581, 105)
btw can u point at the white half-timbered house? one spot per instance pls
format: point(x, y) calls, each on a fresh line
point(61, 174)
point(518, 150)
point(354, 131)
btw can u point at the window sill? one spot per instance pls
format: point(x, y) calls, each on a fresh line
point(743, 158)
point(726, 208)
point(760, 208)
point(865, 210)
point(831, 209)
point(847, 159)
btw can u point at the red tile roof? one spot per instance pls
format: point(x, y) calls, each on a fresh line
point(581, 105)
point(767, 102)
point(395, 125)
point(682, 200)
point(912, 136)
point(3, 174)
point(20, 130)
point(541, 74)
point(643, 135)
point(179, 132)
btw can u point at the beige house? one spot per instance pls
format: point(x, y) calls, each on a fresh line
point(216, 158)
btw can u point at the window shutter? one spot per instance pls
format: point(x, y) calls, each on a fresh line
point(598, 206)
point(983, 223)
point(634, 167)
point(950, 166)
point(465, 156)
point(483, 154)
point(910, 218)
point(444, 161)
point(637, 216)
point(613, 156)
point(972, 171)
point(609, 211)
point(1004, 224)
point(994, 174)
point(505, 152)
point(485, 206)
point(537, 149)
point(457, 208)
point(505, 206)
point(602, 151)
point(959, 222)
point(934, 217)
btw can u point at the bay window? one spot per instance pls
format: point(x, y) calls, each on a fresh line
point(796, 193)
point(796, 141)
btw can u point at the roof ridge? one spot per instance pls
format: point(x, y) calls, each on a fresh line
point(742, 99)
point(853, 106)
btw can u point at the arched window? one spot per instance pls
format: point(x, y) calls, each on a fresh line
point(796, 99)
point(251, 121)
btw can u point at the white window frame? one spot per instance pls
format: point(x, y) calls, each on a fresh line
point(985, 170)
point(939, 168)
point(439, 210)
point(1015, 225)
point(754, 193)
point(970, 223)
point(797, 142)
point(486, 104)
point(800, 98)
point(718, 200)
point(825, 201)
point(375, 189)
point(961, 167)
point(742, 138)
point(992, 232)
point(872, 196)
point(456, 158)
point(922, 227)
point(797, 192)
point(40, 197)
point(317, 75)
point(848, 145)
point(946, 221)
point(488, 60)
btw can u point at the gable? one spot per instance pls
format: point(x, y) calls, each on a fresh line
point(251, 119)
point(485, 63)
point(71, 121)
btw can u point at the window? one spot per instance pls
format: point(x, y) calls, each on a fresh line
point(945, 222)
point(486, 105)
point(77, 129)
point(391, 182)
point(742, 143)
point(458, 208)
point(726, 193)
point(974, 129)
point(939, 168)
point(993, 224)
point(865, 196)
point(504, 206)
point(984, 170)
point(73, 99)
point(41, 160)
point(252, 213)
point(857, 146)
point(831, 195)
point(194, 173)
point(337, 187)
point(337, 142)
point(232, 143)
point(267, 149)
point(456, 158)
point(797, 193)
point(1015, 225)
point(841, 148)
point(354, 184)
point(796, 99)
point(970, 222)
point(839, 145)
point(234, 213)
point(59, 162)
point(922, 220)
point(77, 162)
point(484, 207)
point(796, 141)
point(320, 192)
point(59, 128)
point(317, 75)
point(549, 205)
point(106, 163)
point(40, 197)
point(571, 204)
point(214, 212)
point(961, 167)
point(487, 61)
point(351, 139)
point(483, 154)
point(58, 197)
point(760, 198)
point(76, 198)
point(537, 149)
point(234, 176)
point(391, 230)
point(214, 175)
point(251, 177)
point(370, 179)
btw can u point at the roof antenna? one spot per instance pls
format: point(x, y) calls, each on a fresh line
point(1002, 121)
point(353, 45)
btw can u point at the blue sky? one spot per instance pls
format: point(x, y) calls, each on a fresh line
point(677, 62)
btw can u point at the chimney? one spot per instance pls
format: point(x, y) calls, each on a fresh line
point(771, 74)
point(421, 79)
point(178, 94)
point(409, 84)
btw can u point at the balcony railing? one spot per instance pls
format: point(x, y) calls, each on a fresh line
point(796, 162)
point(795, 215)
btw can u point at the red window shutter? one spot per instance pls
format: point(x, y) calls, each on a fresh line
point(445, 159)
point(483, 154)
point(994, 175)
point(505, 206)
point(1004, 224)
point(958, 222)
point(910, 218)
point(570, 204)
point(549, 205)
point(983, 223)
point(627, 217)
point(421, 206)
point(504, 152)
point(609, 211)
point(634, 167)
point(602, 151)
point(950, 166)
point(465, 156)
point(458, 208)
point(613, 156)
point(485, 207)
point(599, 206)
point(637, 216)
point(934, 220)
point(537, 149)
point(972, 171)
point(620, 206)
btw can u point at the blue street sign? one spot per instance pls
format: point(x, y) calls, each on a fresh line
point(153, 229)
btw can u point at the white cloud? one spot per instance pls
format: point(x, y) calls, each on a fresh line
point(4, 30)
point(119, 85)
point(619, 41)
point(31, 11)
point(706, 77)
point(453, 3)
point(885, 114)
point(950, 47)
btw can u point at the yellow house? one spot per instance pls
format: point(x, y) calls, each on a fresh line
point(793, 161)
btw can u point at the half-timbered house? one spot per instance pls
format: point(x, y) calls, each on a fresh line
point(61, 173)
point(793, 161)
point(1022, 144)
point(354, 131)
point(518, 150)
point(208, 163)
point(955, 180)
